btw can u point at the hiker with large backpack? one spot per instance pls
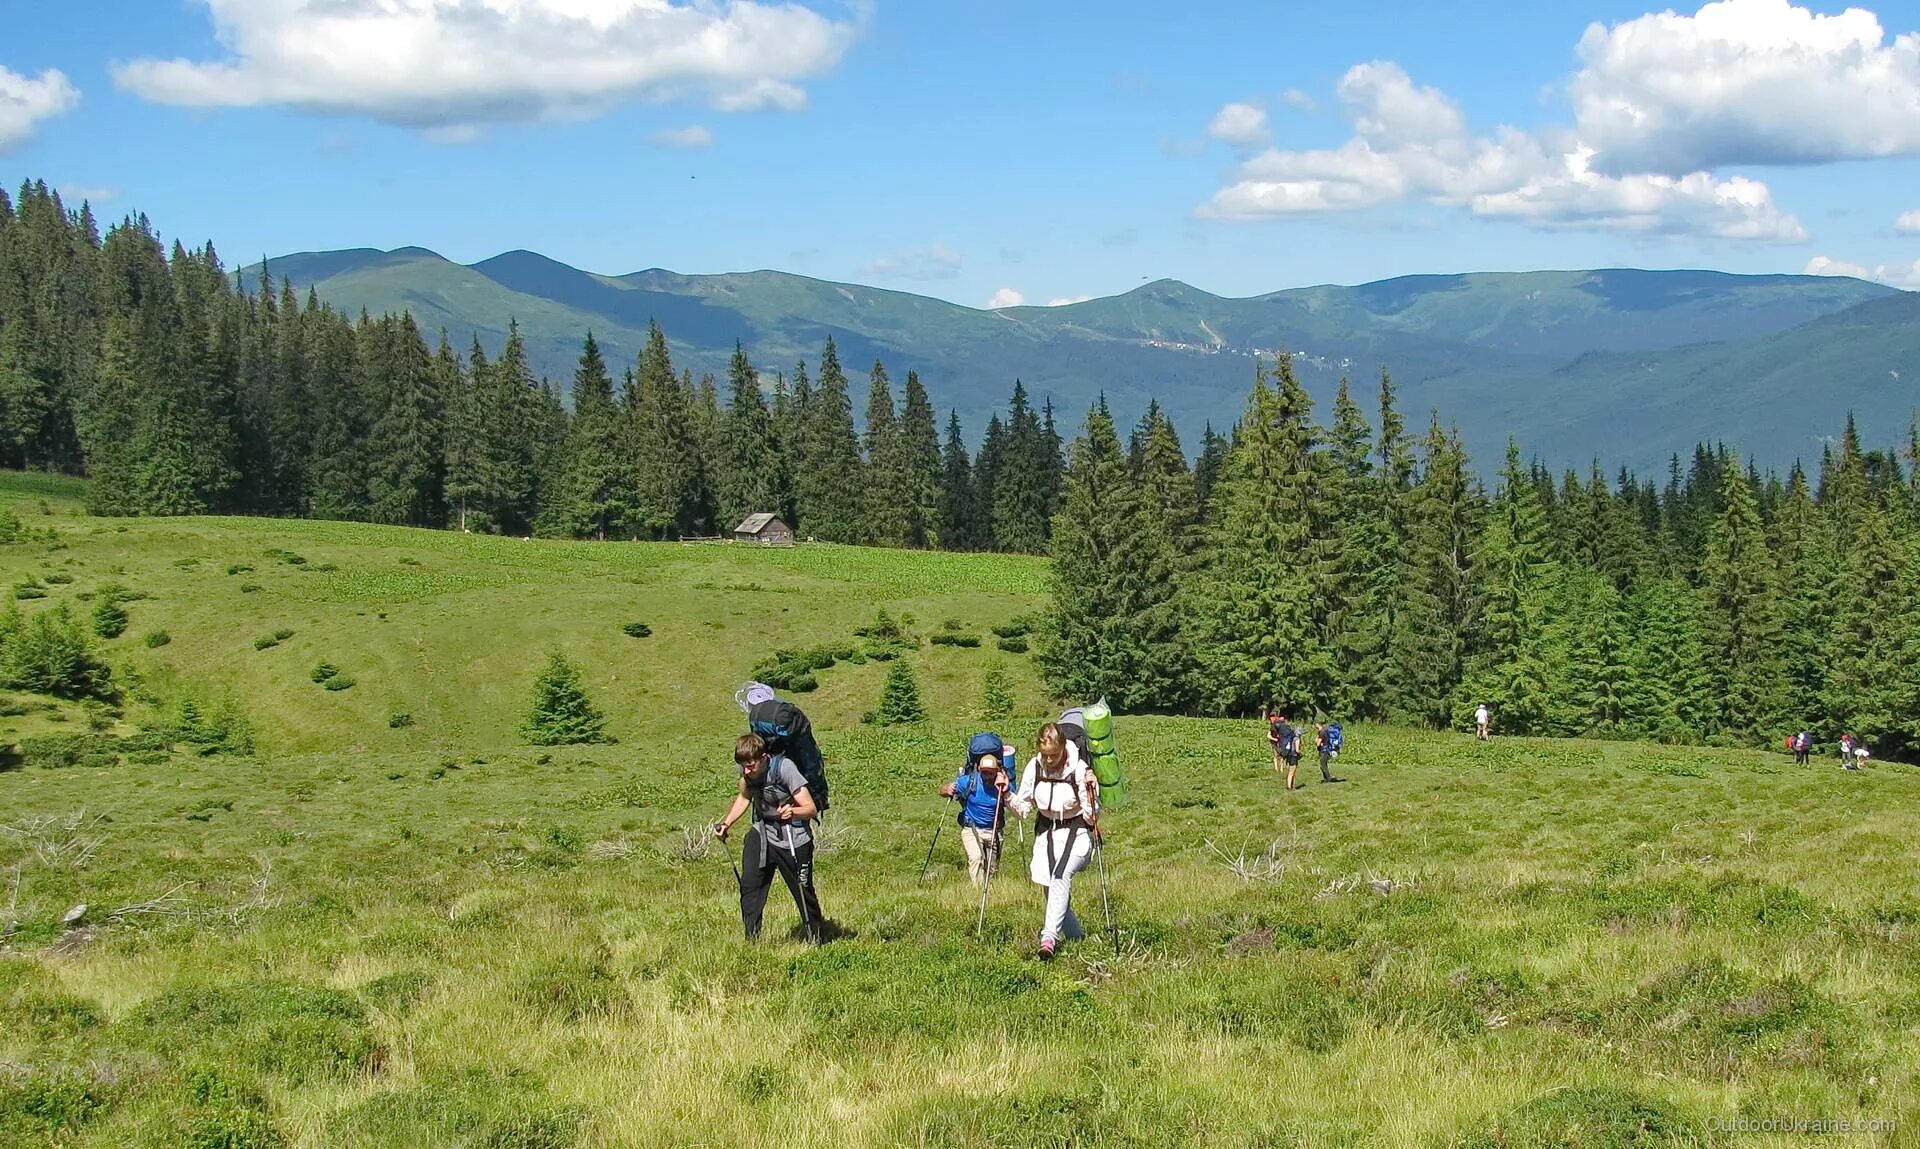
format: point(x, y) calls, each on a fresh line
point(981, 789)
point(787, 733)
point(1285, 737)
point(781, 838)
point(1327, 739)
point(1060, 791)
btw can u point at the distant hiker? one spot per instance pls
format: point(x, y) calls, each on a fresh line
point(1846, 751)
point(1285, 738)
point(1276, 722)
point(1061, 790)
point(1326, 741)
point(1802, 747)
point(1859, 753)
point(981, 789)
point(781, 838)
point(1482, 722)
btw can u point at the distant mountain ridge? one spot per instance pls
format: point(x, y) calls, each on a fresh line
point(1624, 364)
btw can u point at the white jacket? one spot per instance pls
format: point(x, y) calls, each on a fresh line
point(1063, 851)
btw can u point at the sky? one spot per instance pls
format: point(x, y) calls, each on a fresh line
point(991, 152)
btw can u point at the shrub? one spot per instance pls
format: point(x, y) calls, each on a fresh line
point(282, 635)
point(29, 590)
point(637, 630)
point(109, 618)
point(338, 683)
point(400, 721)
point(1013, 645)
point(238, 568)
point(158, 639)
point(222, 728)
point(996, 694)
point(882, 628)
point(288, 557)
point(561, 713)
point(250, 588)
point(61, 751)
point(1018, 628)
point(955, 638)
point(52, 654)
point(60, 578)
point(899, 698)
point(265, 642)
point(323, 672)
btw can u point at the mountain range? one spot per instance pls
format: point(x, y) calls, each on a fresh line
point(1623, 366)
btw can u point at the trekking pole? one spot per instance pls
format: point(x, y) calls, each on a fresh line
point(726, 845)
point(1106, 899)
point(928, 864)
point(993, 864)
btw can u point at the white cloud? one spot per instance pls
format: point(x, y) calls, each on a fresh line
point(1412, 143)
point(75, 194)
point(1299, 101)
point(1745, 82)
point(936, 262)
point(1005, 297)
point(1242, 125)
point(1901, 275)
point(25, 102)
point(694, 137)
point(455, 63)
point(1908, 223)
point(1068, 300)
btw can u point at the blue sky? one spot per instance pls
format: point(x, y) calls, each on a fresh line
point(992, 149)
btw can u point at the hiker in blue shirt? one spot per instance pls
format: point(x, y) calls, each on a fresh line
point(981, 790)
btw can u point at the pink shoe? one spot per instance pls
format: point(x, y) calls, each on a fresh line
point(1046, 949)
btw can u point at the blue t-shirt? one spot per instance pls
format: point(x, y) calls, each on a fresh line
point(979, 799)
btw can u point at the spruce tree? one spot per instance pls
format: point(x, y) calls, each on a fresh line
point(561, 714)
point(987, 466)
point(1020, 484)
point(959, 520)
point(598, 500)
point(924, 466)
point(1741, 620)
point(1113, 628)
point(1440, 606)
point(406, 486)
point(1512, 659)
point(668, 473)
point(1207, 470)
point(751, 452)
point(888, 494)
point(900, 698)
point(828, 480)
point(1250, 602)
point(1350, 551)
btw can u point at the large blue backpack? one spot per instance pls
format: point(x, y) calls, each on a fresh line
point(1335, 737)
point(787, 731)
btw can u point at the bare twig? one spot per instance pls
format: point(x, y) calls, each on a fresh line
point(1267, 866)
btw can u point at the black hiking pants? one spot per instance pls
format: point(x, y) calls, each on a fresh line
point(761, 861)
point(1326, 759)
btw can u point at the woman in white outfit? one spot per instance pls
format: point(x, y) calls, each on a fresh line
point(1062, 792)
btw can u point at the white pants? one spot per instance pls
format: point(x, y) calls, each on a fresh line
point(1061, 920)
point(1069, 851)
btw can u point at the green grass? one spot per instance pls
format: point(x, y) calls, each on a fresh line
point(374, 935)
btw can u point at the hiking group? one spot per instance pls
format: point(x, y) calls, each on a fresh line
point(1285, 738)
point(783, 787)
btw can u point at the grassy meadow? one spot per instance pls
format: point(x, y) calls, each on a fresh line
point(395, 924)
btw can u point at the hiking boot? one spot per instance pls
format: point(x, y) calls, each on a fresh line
point(1046, 949)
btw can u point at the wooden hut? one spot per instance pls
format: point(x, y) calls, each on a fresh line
point(765, 529)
